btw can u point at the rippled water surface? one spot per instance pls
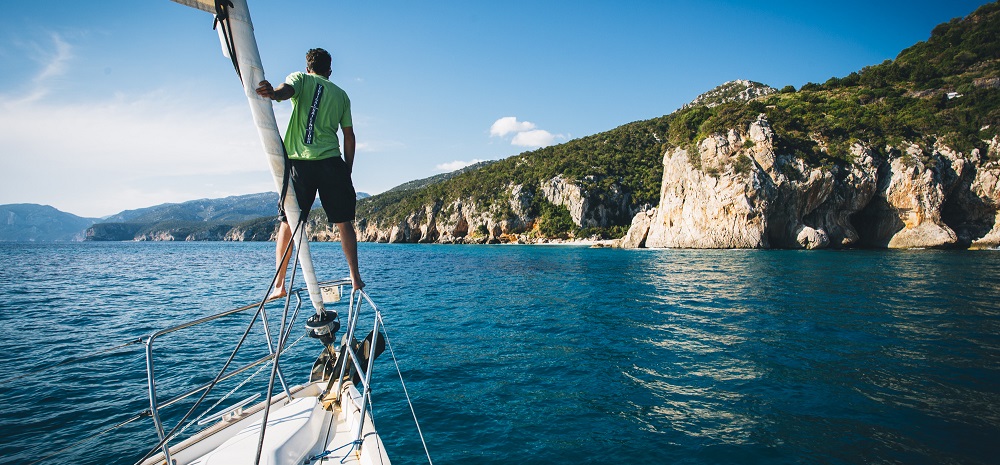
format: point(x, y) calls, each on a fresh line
point(537, 354)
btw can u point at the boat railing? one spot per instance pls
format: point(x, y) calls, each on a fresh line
point(378, 344)
point(361, 363)
point(274, 347)
point(359, 297)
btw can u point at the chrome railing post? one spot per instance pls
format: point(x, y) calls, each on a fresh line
point(366, 392)
point(345, 348)
point(271, 343)
point(154, 409)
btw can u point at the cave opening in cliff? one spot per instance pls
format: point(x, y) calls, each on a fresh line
point(875, 224)
point(968, 215)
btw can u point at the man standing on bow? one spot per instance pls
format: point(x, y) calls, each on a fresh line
point(319, 107)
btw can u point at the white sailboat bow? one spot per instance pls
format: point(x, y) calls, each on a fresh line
point(325, 420)
point(328, 419)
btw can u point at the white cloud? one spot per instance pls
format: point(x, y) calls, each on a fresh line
point(508, 125)
point(96, 154)
point(525, 132)
point(54, 62)
point(57, 64)
point(98, 158)
point(534, 138)
point(456, 165)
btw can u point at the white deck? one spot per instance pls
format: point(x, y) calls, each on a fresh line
point(296, 431)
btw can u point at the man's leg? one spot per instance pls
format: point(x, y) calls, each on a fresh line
point(349, 242)
point(281, 257)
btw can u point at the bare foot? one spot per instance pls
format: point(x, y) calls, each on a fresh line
point(277, 293)
point(357, 283)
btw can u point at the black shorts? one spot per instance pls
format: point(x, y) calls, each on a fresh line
point(331, 179)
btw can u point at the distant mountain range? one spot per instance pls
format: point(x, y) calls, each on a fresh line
point(42, 223)
point(204, 219)
point(233, 209)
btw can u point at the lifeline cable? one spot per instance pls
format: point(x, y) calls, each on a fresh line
point(204, 394)
point(299, 229)
point(385, 331)
point(405, 392)
point(233, 390)
point(211, 385)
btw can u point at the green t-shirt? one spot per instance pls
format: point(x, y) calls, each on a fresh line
point(319, 107)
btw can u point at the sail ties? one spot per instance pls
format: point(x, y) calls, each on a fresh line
point(222, 17)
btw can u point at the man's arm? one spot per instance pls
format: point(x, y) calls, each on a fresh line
point(283, 92)
point(349, 145)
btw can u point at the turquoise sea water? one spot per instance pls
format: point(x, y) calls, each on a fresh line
point(538, 354)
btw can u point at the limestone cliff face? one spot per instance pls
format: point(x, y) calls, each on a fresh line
point(638, 231)
point(434, 223)
point(737, 191)
point(467, 220)
point(587, 207)
point(263, 230)
point(982, 203)
point(934, 197)
point(906, 211)
point(167, 235)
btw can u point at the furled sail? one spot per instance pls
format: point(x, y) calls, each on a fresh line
point(238, 43)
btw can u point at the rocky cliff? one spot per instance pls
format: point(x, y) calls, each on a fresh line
point(901, 154)
point(516, 219)
point(745, 193)
point(259, 229)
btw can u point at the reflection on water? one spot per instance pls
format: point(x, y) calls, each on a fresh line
point(850, 347)
point(560, 354)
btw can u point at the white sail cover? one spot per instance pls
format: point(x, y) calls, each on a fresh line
point(204, 5)
point(252, 72)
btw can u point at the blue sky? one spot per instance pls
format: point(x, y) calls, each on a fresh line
point(113, 104)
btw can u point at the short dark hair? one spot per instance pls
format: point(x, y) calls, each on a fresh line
point(318, 61)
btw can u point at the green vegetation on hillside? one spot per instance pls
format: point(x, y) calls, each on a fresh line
point(630, 155)
point(906, 99)
point(947, 87)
